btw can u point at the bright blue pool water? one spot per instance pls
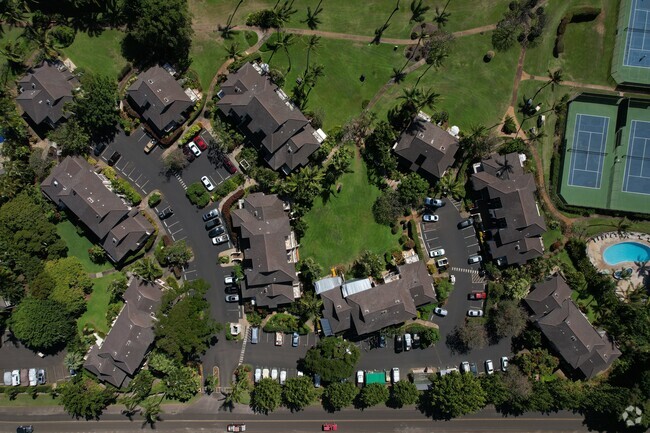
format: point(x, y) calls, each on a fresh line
point(626, 252)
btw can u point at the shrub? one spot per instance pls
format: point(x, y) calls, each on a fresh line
point(124, 71)
point(440, 116)
point(197, 195)
point(286, 323)
point(97, 254)
point(121, 186)
point(409, 244)
point(234, 66)
point(414, 35)
point(488, 56)
point(190, 133)
point(154, 199)
point(509, 126)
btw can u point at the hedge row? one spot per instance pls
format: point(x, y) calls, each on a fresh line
point(413, 234)
point(578, 15)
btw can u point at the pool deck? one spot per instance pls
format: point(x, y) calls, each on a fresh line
point(596, 247)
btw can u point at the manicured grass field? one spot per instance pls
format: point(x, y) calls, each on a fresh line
point(78, 247)
point(210, 53)
point(472, 92)
point(588, 46)
point(345, 16)
point(344, 227)
point(27, 400)
point(100, 54)
point(97, 305)
point(339, 93)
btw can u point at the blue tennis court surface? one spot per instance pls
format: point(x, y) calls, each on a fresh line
point(588, 151)
point(637, 45)
point(637, 167)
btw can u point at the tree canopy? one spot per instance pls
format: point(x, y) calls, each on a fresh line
point(182, 383)
point(42, 324)
point(372, 395)
point(71, 138)
point(339, 395)
point(333, 359)
point(297, 393)
point(453, 395)
point(95, 107)
point(403, 393)
point(266, 396)
point(84, 398)
point(72, 283)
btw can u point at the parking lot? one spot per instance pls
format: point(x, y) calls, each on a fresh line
point(266, 354)
point(14, 356)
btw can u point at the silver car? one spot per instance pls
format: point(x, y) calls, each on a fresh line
point(474, 312)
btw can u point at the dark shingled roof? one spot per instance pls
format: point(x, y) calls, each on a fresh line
point(121, 353)
point(509, 210)
point(576, 340)
point(426, 148)
point(159, 98)
point(74, 185)
point(280, 127)
point(45, 90)
point(264, 228)
point(380, 306)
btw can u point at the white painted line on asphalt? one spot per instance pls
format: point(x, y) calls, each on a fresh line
point(129, 175)
point(470, 236)
point(137, 179)
point(183, 238)
point(473, 245)
point(243, 346)
point(177, 231)
point(171, 225)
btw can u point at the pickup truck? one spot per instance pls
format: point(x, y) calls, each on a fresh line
point(236, 427)
point(279, 338)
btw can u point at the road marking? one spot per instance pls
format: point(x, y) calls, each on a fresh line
point(129, 175)
point(470, 236)
point(180, 180)
point(136, 180)
point(177, 231)
point(143, 185)
point(171, 225)
point(467, 271)
point(243, 346)
point(477, 279)
point(473, 245)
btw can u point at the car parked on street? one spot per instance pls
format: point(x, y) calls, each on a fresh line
point(265, 373)
point(477, 295)
point(295, 339)
point(195, 149)
point(221, 239)
point(440, 311)
point(211, 214)
point(229, 279)
point(41, 377)
point(466, 223)
point(258, 375)
point(437, 252)
point(200, 143)
point(207, 183)
point(236, 427)
point(430, 218)
point(25, 429)
point(15, 378)
point(382, 341)
point(395, 371)
point(232, 298)
point(213, 223)
point(474, 259)
point(360, 375)
point(165, 213)
point(473, 368)
point(283, 377)
point(433, 202)
point(216, 231)
point(330, 426)
point(504, 363)
point(32, 377)
point(489, 367)
point(279, 338)
point(150, 145)
point(475, 312)
point(452, 279)
point(408, 342)
point(464, 367)
point(7, 378)
point(24, 376)
point(232, 290)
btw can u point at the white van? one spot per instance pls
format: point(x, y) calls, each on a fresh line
point(395, 374)
point(408, 342)
point(255, 335)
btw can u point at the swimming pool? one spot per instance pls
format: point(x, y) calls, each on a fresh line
point(626, 252)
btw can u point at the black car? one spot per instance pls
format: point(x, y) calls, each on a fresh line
point(114, 158)
point(466, 223)
point(212, 223)
point(99, 148)
point(165, 213)
point(216, 232)
point(232, 290)
point(188, 154)
point(25, 429)
point(399, 343)
point(210, 215)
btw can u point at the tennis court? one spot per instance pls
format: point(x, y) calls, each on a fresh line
point(637, 167)
point(637, 45)
point(588, 151)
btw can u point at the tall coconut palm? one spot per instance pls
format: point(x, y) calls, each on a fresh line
point(232, 51)
point(232, 15)
point(442, 16)
point(450, 184)
point(45, 43)
point(13, 13)
point(417, 11)
point(421, 35)
point(284, 12)
point(379, 32)
point(622, 225)
point(13, 51)
point(286, 41)
point(554, 78)
point(410, 96)
point(398, 75)
point(151, 411)
point(311, 79)
point(312, 44)
point(312, 19)
point(434, 59)
point(427, 99)
point(311, 304)
point(147, 269)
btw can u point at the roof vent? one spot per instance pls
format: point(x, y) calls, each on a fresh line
point(166, 99)
point(55, 183)
point(150, 81)
point(420, 134)
point(33, 85)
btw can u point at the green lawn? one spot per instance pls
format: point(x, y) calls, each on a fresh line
point(78, 247)
point(97, 305)
point(551, 236)
point(588, 46)
point(341, 229)
point(208, 54)
point(339, 93)
point(472, 92)
point(27, 400)
point(100, 54)
point(345, 16)
point(587, 304)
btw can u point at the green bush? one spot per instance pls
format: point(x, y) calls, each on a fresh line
point(97, 254)
point(154, 199)
point(509, 126)
point(121, 186)
point(286, 323)
point(197, 195)
point(413, 234)
point(190, 133)
point(228, 186)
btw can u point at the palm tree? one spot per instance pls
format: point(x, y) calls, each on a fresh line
point(421, 35)
point(147, 269)
point(442, 16)
point(427, 99)
point(311, 304)
point(418, 11)
point(411, 97)
point(312, 77)
point(379, 32)
point(14, 13)
point(286, 42)
point(232, 15)
point(398, 75)
point(505, 167)
point(233, 51)
point(622, 225)
point(312, 44)
point(312, 19)
point(45, 44)
point(554, 78)
point(284, 12)
point(434, 59)
point(13, 53)
point(151, 411)
point(73, 361)
point(450, 184)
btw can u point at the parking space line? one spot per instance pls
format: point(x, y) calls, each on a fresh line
point(129, 175)
point(470, 236)
point(473, 245)
point(144, 184)
point(137, 179)
point(171, 225)
point(123, 167)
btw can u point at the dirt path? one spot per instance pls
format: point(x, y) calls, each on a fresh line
point(577, 84)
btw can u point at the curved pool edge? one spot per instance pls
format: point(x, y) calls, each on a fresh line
point(626, 252)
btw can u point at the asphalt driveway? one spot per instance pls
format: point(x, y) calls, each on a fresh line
point(15, 356)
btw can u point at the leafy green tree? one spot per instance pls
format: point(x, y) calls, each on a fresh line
point(471, 335)
point(147, 269)
point(516, 288)
point(161, 29)
point(339, 395)
point(450, 184)
point(267, 396)
point(372, 395)
point(387, 208)
point(41, 286)
point(71, 137)
point(197, 195)
point(73, 361)
point(117, 287)
point(182, 383)
point(332, 358)
point(495, 388)
point(141, 385)
point(412, 190)
point(176, 254)
point(304, 185)
point(378, 151)
point(507, 319)
point(185, 330)
point(453, 395)
point(403, 393)
point(95, 107)
point(175, 161)
point(298, 393)
point(368, 264)
point(151, 410)
point(83, 398)
point(97, 254)
point(63, 36)
point(310, 271)
point(429, 337)
point(161, 364)
point(41, 324)
point(536, 361)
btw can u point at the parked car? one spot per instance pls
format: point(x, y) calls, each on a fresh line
point(236, 427)
point(7, 378)
point(407, 342)
point(437, 252)
point(283, 377)
point(274, 374)
point(232, 290)
point(165, 213)
point(395, 371)
point(194, 148)
point(316, 381)
point(473, 368)
point(232, 298)
point(279, 338)
point(40, 376)
point(150, 145)
point(429, 218)
point(382, 341)
point(222, 239)
point(399, 343)
point(504, 363)
point(207, 183)
point(330, 426)
point(25, 429)
point(188, 153)
point(216, 231)
point(416, 341)
point(32, 377)
point(255, 335)
point(114, 158)
point(489, 367)
point(443, 263)
point(229, 279)
point(474, 259)
point(265, 373)
point(258, 375)
point(15, 378)
point(475, 312)
point(360, 375)
point(295, 339)
point(213, 223)
point(433, 202)
point(477, 295)
point(210, 215)
point(464, 367)
point(440, 311)
point(466, 223)
point(228, 165)
point(200, 142)
point(452, 279)
point(24, 376)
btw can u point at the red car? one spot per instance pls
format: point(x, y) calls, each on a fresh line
point(200, 142)
point(330, 427)
point(228, 165)
point(478, 295)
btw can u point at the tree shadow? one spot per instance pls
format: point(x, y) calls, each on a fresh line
point(455, 344)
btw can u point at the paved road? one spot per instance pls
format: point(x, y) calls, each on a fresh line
point(371, 421)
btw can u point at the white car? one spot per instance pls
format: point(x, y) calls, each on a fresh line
point(221, 239)
point(452, 279)
point(32, 377)
point(283, 377)
point(229, 279)
point(360, 377)
point(207, 183)
point(474, 259)
point(194, 148)
point(408, 342)
point(15, 378)
point(442, 263)
point(464, 367)
point(504, 363)
point(265, 373)
point(429, 218)
point(274, 374)
point(474, 312)
point(258, 374)
point(489, 367)
point(7, 378)
point(395, 374)
point(440, 311)
point(437, 253)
